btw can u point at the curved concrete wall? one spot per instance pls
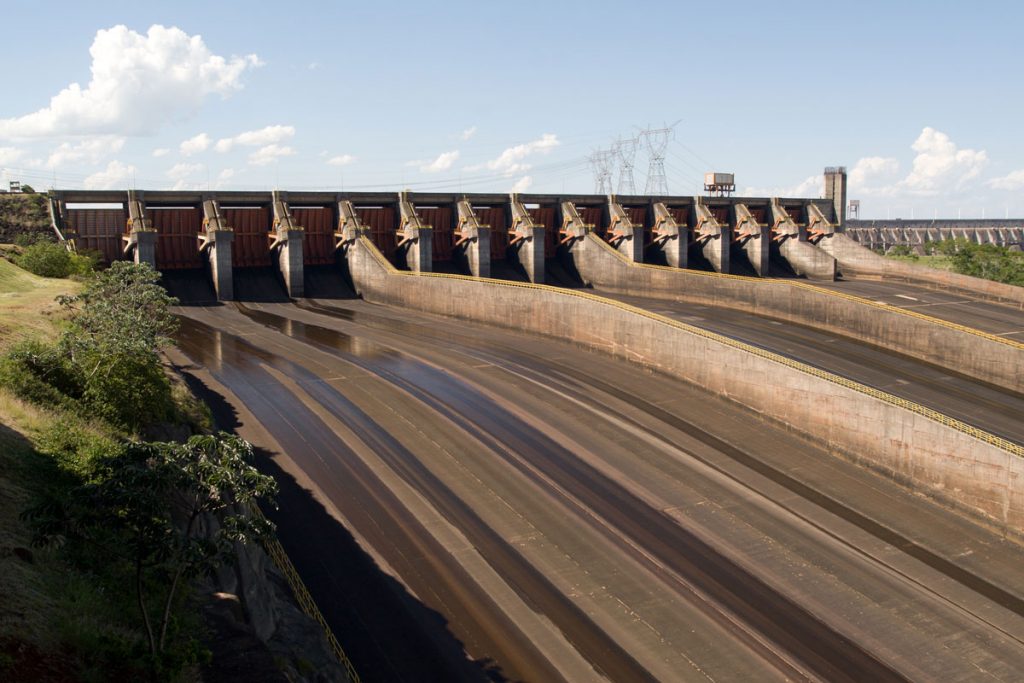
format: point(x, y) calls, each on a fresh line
point(808, 260)
point(856, 259)
point(978, 355)
point(876, 429)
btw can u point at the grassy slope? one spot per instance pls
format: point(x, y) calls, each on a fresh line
point(937, 261)
point(28, 578)
point(27, 306)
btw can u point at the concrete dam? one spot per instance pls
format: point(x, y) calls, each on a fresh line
point(578, 437)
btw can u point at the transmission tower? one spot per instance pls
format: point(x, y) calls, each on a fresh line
point(601, 163)
point(656, 141)
point(625, 153)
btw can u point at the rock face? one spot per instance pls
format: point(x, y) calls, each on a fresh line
point(259, 632)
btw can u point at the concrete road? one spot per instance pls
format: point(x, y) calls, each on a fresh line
point(989, 317)
point(476, 504)
point(991, 408)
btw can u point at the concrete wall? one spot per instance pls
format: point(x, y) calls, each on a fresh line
point(948, 463)
point(975, 355)
point(857, 260)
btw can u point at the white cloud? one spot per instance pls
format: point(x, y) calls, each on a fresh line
point(468, 133)
point(138, 83)
point(523, 184)
point(1011, 181)
point(161, 152)
point(91, 150)
point(313, 66)
point(940, 166)
point(226, 174)
point(115, 176)
point(269, 154)
point(269, 135)
point(341, 160)
point(872, 170)
point(9, 155)
point(510, 160)
point(180, 171)
point(194, 145)
point(443, 162)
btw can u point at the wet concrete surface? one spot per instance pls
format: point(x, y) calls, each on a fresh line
point(999, 319)
point(991, 408)
point(561, 515)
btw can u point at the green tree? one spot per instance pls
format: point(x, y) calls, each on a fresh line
point(117, 325)
point(46, 259)
point(142, 505)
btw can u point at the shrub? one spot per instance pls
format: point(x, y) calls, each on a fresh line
point(41, 374)
point(46, 259)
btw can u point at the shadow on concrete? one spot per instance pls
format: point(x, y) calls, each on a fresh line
point(387, 633)
point(259, 285)
point(192, 287)
point(328, 282)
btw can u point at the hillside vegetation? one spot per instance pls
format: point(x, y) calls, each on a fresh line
point(24, 216)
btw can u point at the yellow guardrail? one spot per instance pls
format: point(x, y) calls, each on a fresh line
point(302, 596)
point(953, 423)
point(830, 292)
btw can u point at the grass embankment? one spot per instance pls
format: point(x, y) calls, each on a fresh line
point(38, 607)
point(24, 215)
point(938, 261)
point(27, 304)
point(68, 427)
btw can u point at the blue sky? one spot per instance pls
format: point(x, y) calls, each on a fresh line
point(921, 101)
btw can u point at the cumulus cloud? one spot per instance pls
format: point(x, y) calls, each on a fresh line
point(468, 133)
point(115, 176)
point(511, 160)
point(161, 152)
point(90, 150)
point(226, 174)
point(180, 171)
point(940, 165)
point(1011, 181)
point(194, 145)
point(341, 160)
point(523, 184)
point(268, 154)
point(270, 135)
point(871, 170)
point(443, 162)
point(9, 155)
point(138, 83)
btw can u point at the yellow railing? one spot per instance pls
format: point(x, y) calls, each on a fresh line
point(963, 427)
point(305, 600)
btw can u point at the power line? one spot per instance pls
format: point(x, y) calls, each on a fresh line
point(625, 153)
point(656, 141)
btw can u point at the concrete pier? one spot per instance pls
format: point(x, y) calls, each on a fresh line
point(711, 237)
point(802, 256)
point(526, 241)
point(669, 240)
point(753, 238)
point(215, 240)
point(415, 240)
point(473, 242)
point(140, 240)
point(287, 242)
point(628, 239)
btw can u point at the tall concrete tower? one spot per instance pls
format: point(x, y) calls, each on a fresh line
point(835, 189)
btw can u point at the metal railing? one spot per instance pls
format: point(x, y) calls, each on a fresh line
point(303, 597)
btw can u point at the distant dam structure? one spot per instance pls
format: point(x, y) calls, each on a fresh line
point(886, 234)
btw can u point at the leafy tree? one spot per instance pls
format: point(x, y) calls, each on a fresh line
point(117, 325)
point(142, 505)
point(46, 259)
